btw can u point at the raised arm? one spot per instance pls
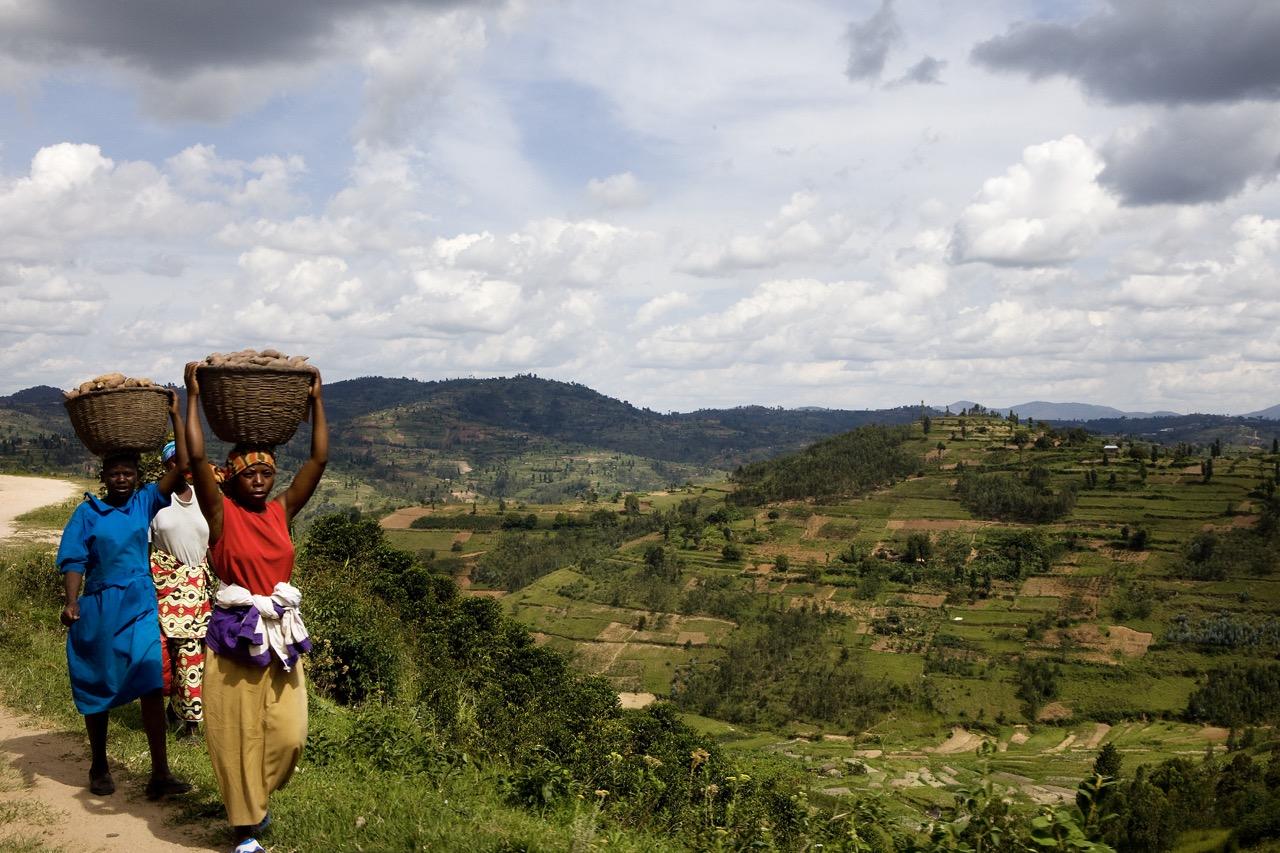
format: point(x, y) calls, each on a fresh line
point(208, 495)
point(172, 480)
point(308, 476)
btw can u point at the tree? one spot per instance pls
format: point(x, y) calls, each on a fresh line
point(1107, 764)
point(631, 506)
point(781, 563)
point(1150, 825)
point(919, 548)
point(662, 563)
point(1037, 682)
point(1021, 438)
point(926, 423)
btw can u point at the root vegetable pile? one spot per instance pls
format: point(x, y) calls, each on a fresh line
point(267, 358)
point(108, 382)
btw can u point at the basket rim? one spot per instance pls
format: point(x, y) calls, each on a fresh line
point(101, 391)
point(255, 368)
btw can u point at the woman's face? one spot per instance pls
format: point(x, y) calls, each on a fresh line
point(254, 484)
point(120, 478)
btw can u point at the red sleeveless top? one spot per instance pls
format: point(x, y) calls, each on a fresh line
point(255, 550)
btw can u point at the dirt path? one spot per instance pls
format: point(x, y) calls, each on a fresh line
point(617, 653)
point(20, 495)
point(44, 785)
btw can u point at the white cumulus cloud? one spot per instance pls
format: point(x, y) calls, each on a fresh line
point(1048, 209)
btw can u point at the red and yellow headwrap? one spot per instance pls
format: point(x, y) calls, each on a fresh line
point(238, 460)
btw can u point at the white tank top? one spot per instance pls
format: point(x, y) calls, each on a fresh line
point(181, 530)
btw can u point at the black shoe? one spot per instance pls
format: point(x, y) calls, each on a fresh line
point(101, 784)
point(171, 786)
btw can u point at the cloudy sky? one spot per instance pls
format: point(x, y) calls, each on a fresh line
point(846, 204)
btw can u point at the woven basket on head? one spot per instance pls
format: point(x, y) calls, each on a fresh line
point(255, 405)
point(121, 420)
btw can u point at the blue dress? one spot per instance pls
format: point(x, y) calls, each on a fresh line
point(113, 650)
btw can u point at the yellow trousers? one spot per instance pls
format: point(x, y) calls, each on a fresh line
point(255, 724)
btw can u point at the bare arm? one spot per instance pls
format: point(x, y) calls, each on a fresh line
point(208, 495)
point(171, 480)
point(71, 586)
point(308, 477)
point(73, 559)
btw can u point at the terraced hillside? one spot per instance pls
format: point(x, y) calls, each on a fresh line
point(918, 635)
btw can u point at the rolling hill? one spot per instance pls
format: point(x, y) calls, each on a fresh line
point(416, 436)
point(890, 610)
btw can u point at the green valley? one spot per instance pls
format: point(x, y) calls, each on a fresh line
point(965, 627)
point(895, 612)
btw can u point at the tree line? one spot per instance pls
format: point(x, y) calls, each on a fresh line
point(844, 465)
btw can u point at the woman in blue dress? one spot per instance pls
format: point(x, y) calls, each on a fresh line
point(113, 640)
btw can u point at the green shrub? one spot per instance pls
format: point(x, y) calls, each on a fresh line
point(359, 643)
point(32, 576)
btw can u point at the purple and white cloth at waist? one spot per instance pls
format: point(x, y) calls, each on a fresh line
point(252, 628)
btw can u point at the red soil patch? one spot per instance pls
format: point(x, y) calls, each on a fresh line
point(813, 525)
point(1103, 647)
point(923, 599)
point(402, 519)
point(1054, 711)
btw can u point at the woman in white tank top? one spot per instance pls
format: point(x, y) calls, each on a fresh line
point(180, 571)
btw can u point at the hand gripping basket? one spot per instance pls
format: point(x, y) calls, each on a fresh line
point(254, 405)
point(121, 420)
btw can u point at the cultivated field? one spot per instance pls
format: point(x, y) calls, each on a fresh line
point(954, 625)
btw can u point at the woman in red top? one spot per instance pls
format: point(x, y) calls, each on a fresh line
point(255, 698)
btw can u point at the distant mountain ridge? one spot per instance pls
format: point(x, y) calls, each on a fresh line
point(488, 415)
point(37, 395)
point(1270, 413)
point(1045, 411)
point(488, 420)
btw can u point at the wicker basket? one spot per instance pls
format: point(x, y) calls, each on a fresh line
point(255, 405)
point(121, 420)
